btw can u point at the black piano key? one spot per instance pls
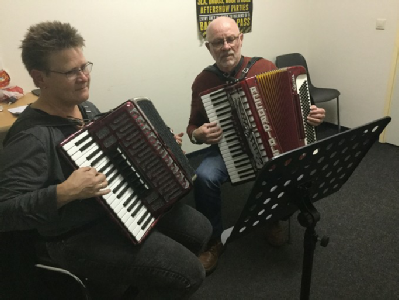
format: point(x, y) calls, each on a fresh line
point(236, 153)
point(229, 139)
point(223, 113)
point(104, 167)
point(111, 177)
point(109, 173)
point(97, 160)
point(130, 206)
point(244, 171)
point(227, 127)
point(136, 210)
point(81, 141)
point(218, 98)
point(229, 134)
point(123, 191)
point(127, 201)
point(220, 101)
point(85, 146)
point(232, 148)
point(241, 163)
point(222, 109)
point(146, 222)
point(94, 153)
point(142, 218)
point(116, 189)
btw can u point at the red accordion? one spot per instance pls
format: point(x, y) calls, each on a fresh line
point(261, 117)
point(145, 168)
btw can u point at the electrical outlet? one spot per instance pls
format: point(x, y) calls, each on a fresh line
point(380, 24)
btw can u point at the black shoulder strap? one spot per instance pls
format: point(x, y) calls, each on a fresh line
point(245, 71)
point(214, 69)
point(222, 76)
point(89, 111)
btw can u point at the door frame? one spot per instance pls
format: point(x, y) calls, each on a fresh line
point(391, 82)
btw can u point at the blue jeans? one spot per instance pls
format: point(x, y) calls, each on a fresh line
point(211, 174)
point(164, 266)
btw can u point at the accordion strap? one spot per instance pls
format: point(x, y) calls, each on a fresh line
point(232, 77)
point(245, 71)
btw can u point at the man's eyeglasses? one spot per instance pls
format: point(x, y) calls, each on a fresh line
point(220, 42)
point(74, 73)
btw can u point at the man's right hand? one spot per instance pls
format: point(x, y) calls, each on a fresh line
point(208, 133)
point(83, 183)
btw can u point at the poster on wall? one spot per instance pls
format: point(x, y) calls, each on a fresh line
point(239, 10)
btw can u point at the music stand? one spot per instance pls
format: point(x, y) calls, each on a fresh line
point(296, 179)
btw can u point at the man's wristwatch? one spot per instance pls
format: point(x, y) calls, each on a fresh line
point(193, 139)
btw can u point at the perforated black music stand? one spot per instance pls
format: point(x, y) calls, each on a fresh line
point(296, 179)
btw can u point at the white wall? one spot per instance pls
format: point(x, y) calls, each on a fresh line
point(349, 54)
point(151, 48)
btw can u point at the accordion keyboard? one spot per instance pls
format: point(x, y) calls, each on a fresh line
point(123, 200)
point(237, 161)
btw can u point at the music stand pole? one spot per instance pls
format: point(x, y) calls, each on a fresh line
point(308, 218)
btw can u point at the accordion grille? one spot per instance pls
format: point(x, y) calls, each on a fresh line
point(276, 90)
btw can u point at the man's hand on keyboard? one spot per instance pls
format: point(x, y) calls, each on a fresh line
point(209, 133)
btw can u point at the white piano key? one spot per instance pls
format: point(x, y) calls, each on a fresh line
point(81, 158)
point(144, 230)
point(90, 163)
point(77, 149)
point(72, 143)
point(134, 227)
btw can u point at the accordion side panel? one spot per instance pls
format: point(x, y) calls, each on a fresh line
point(304, 99)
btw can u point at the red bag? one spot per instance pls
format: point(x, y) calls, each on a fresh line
point(4, 79)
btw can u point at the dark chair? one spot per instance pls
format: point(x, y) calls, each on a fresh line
point(317, 95)
point(29, 273)
point(28, 276)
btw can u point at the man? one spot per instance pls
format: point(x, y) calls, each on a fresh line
point(224, 42)
point(39, 190)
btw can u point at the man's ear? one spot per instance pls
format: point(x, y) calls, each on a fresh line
point(38, 78)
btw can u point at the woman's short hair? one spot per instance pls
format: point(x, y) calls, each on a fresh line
point(45, 38)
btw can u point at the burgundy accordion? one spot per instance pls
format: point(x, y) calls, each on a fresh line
point(145, 168)
point(261, 117)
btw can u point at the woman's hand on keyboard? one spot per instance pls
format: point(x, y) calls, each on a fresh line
point(83, 183)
